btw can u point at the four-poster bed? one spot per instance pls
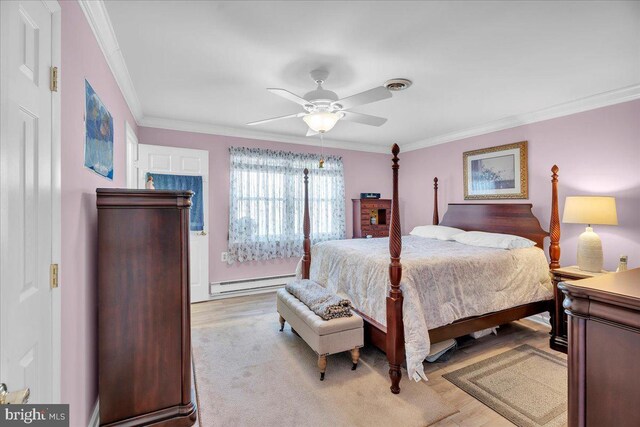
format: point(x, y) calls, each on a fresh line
point(508, 218)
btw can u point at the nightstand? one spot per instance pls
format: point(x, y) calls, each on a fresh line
point(558, 340)
point(371, 217)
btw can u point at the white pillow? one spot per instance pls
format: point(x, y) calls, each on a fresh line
point(493, 240)
point(439, 232)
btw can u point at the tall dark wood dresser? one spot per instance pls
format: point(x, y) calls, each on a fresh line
point(144, 338)
point(604, 349)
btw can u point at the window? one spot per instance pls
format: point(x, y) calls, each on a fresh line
point(267, 202)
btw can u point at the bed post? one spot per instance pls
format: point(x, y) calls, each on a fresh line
point(554, 226)
point(395, 326)
point(436, 217)
point(306, 258)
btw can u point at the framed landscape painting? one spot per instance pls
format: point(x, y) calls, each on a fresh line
point(496, 173)
point(98, 144)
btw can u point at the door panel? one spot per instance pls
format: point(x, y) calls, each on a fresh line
point(26, 199)
point(158, 162)
point(191, 165)
point(184, 161)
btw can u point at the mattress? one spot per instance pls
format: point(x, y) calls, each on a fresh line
point(442, 282)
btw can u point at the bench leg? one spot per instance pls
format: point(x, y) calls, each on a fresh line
point(322, 364)
point(281, 323)
point(355, 356)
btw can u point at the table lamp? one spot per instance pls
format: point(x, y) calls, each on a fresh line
point(590, 210)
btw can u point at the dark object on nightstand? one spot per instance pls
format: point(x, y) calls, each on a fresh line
point(558, 340)
point(604, 344)
point(371, 217)
point(144, 335)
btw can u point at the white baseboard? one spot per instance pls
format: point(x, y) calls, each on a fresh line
point(94, 421)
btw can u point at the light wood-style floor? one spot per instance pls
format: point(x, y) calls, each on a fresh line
point(470, 411)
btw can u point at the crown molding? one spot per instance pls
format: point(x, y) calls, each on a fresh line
point(98, 19)
point(604, 99)
point(600, 100)
point(197, 127)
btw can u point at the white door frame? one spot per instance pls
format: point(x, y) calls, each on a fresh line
point(131, 144)
point(56, 200)
point(56, 216)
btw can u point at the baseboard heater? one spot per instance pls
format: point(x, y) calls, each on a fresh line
point(248, 286)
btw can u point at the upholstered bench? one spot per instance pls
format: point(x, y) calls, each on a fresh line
point(323, 336)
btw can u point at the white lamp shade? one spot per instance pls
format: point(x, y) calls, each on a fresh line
point(590, 210)
point(321, 121)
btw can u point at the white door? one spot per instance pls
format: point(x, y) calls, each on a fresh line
point(26, 187)
point(184, 161)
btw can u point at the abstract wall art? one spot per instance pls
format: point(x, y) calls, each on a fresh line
point(98, 146)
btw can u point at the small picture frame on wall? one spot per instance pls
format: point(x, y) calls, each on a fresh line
point(496, 172)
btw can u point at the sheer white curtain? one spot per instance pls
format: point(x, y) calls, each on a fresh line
point(266, 202)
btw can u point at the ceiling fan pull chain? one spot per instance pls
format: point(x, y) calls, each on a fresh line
point(321, 165)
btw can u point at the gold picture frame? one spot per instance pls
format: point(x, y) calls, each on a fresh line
point(496, 172)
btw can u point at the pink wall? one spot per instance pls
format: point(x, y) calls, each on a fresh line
point(364, 172)
point(598, 153)
point(82, 58)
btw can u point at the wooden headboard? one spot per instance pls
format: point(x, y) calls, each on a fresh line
point(507, 218)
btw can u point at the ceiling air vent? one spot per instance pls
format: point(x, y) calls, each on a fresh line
point(396, 85)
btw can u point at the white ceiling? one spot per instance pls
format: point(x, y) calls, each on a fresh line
point(472, 63)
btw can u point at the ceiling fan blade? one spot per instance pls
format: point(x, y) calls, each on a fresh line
point(367, 97)
point(311, 132)
point(365, 119)
point(290, 116)
point(288, 95)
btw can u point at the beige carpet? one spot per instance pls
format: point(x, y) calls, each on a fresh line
point(250, 374)
point(525, 385)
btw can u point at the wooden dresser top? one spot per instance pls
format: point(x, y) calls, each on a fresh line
point(614, 287)
point(108, 198)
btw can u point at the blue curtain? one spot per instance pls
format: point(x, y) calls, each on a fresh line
point(184, 182)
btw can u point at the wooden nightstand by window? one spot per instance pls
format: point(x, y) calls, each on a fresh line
point(558, 340)
point(371, 217)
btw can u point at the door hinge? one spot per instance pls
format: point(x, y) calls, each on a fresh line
point(53, 276)
point(54, 79)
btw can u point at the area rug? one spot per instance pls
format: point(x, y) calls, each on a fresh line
point(525, 385)
point(250, 374)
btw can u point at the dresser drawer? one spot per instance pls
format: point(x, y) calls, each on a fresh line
point(381, 233)
point(375, 231)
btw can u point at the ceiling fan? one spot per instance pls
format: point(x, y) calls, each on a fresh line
point(323, 108)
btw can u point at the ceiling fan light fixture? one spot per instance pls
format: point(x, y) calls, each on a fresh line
point(322, 121)
point(323, 108)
